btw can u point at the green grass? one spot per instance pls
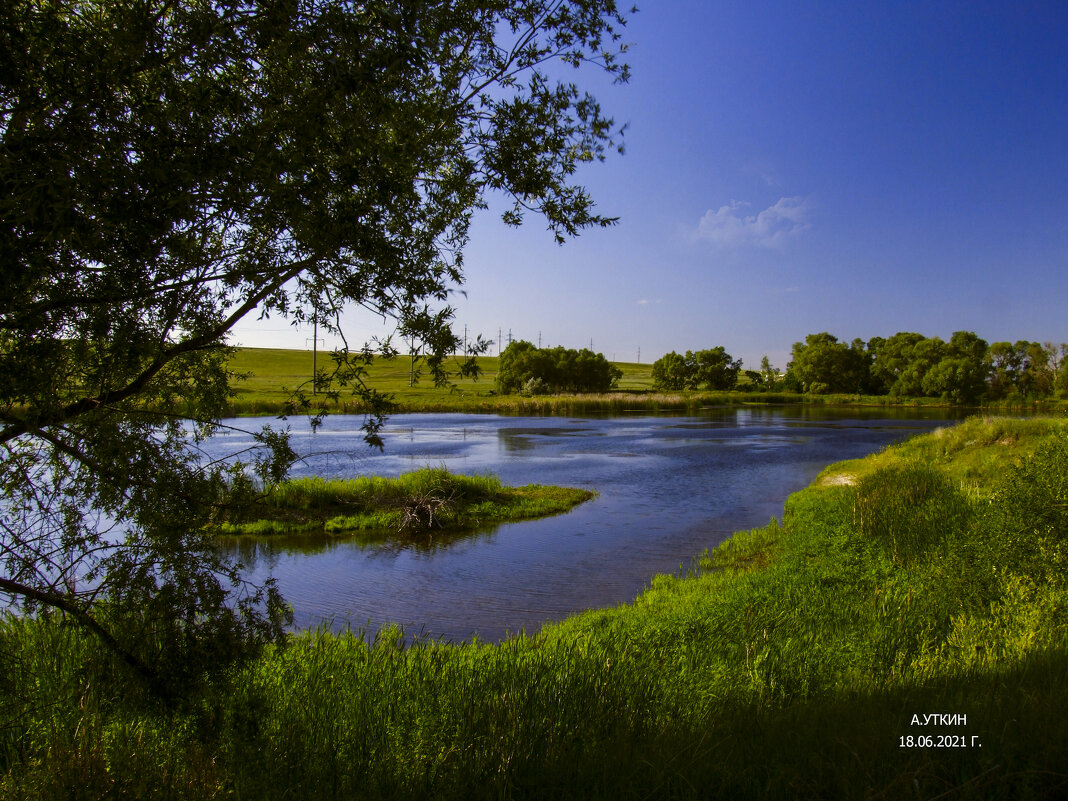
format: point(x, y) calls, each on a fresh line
point(787, 664)
point(972, 453)
point(412, 504)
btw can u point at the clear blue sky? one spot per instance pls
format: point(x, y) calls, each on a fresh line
point(855, 167)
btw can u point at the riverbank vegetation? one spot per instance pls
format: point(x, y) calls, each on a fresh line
point(419, 502)
point(902, 632)
point(964, 370)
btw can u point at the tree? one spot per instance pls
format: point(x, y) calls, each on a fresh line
point(921, 358)
point(520, 362)
point(1019, 368)
point(713, 369)
point(671, 372)
point(523, 367)
point(170, 167)
point(769, 376)
point(890, 358)
point(821, 364)
point(1058, 365)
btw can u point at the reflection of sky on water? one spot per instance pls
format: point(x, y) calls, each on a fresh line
point(669, 487)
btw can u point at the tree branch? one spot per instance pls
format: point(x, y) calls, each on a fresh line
point(84, 618)
point(199, 342)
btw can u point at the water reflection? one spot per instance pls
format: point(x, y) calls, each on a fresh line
point(263, 552)
point(669, 487)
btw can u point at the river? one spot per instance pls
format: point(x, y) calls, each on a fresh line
point(669, 487)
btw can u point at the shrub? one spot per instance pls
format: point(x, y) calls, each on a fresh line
point(535, 386)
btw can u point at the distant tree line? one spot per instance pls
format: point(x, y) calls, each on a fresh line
point(538, 371)
point(966, 369)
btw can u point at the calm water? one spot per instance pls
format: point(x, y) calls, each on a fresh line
point(670, 487)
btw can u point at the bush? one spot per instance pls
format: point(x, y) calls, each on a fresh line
point(535, 386)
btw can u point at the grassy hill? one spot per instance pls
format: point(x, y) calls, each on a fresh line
point(273, 373)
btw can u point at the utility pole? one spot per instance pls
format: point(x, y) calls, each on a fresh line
point(639, 354)
point(411, 369)
point(509, 336)
point(498, 340)
point(539, 340)
point(315, 352)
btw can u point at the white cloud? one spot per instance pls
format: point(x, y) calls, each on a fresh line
point(646, 301)
point(731, 227)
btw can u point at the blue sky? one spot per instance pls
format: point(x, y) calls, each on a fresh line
point(853, 167)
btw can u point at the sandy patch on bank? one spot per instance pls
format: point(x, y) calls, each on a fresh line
point(838, 480)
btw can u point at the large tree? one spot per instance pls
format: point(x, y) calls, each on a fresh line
point(821, 364)
point(171, 167)
point(556, 369)
point(712, 369)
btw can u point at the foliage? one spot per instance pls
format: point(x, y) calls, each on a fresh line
point(1022, 369)
point(769, 376)
point(711, 369)
point(168, 169)
point(964, 370)
point(670, 372)
point(522, 366)
point(535, 385)
point(821, 364)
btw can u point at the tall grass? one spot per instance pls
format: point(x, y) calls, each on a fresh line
point(788, 664)
point(430, 498)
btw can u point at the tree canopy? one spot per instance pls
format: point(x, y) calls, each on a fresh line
point(712, 369)
point(524, 367)
point(964, 370)
point(171, 167)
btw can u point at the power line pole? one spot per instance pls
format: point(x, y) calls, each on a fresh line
point(498, 340)
point(639, 354)
point(315, 352)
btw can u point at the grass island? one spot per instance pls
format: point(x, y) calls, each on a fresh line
point(414, 503)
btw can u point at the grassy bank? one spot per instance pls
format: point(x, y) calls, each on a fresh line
point(798, 660)
point(416, 503)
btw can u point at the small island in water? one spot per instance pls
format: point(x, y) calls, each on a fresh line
point(421, 501)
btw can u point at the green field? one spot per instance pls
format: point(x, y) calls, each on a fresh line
point(797, 660)
point(273, 374)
